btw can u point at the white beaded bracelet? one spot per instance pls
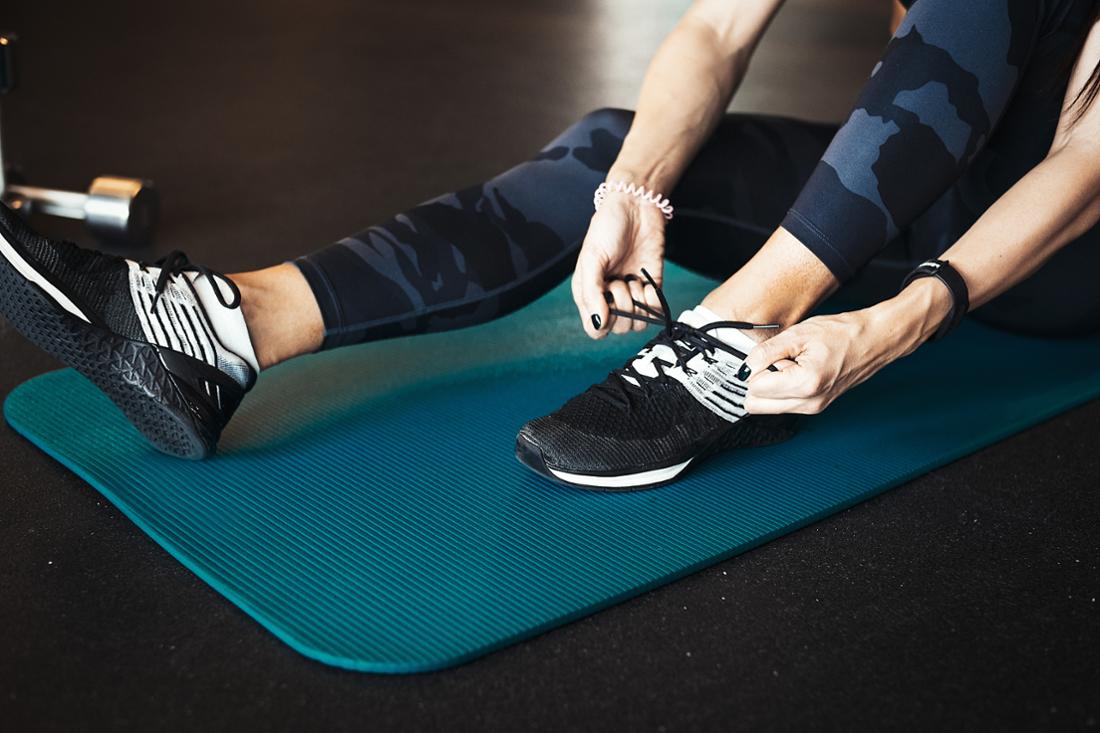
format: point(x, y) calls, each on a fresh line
point(651, 197)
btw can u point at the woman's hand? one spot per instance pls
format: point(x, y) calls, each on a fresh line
point(823, 357)
point(625, 235)
point(687, 88)
point(817, 361)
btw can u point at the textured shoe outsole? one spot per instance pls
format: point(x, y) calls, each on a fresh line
point(753, 431)
point(129, 372)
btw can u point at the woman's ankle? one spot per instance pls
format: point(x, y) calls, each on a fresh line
point(281, 312)
point(780, 285)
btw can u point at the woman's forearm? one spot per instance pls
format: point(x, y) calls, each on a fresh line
point(687, 88)
point(1056, 202)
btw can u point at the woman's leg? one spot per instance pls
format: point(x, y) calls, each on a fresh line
point(281, 311)
point(734, 196)
point(736, 192)
point(928, 108)
point(465, 258)
point(457, 260)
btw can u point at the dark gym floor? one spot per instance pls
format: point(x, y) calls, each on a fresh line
point(966, 600)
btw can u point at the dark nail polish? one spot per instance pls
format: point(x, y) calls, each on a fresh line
point(608, 297)
point(596, 322)
point(744, 372)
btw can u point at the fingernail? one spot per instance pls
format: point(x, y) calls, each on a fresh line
point(608, 297)
point(744, 372)
point(596, 322)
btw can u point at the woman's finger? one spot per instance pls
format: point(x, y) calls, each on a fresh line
point(766, 406)
point(784, 364)
point(637, 293)
point(620, 294)
point(588, 290)
point(789, 383)
point(766, 353)
point(651, 298)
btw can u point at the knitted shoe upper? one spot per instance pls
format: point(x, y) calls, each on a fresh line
point(96, 282)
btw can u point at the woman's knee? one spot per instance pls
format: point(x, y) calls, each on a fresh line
point(1059, 301)
point(594, 139)
point(614, 120)
point(606, 121)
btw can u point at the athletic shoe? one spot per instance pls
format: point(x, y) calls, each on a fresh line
point(166, 342)
point(679, 400)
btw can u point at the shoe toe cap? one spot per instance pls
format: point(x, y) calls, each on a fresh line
point(548, 443)
point(545, 442)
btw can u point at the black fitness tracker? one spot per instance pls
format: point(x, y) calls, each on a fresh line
point(960, 295)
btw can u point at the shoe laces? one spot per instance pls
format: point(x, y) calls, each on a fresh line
point(684, 341)
point(177, 263)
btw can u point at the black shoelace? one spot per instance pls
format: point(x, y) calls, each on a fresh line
point(685, 341)
point(176, 263)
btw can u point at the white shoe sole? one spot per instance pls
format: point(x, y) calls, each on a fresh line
point(626, 480)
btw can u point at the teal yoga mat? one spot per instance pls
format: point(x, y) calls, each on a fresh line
point(366, 506)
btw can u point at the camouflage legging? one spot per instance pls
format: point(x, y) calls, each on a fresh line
point(912, 167)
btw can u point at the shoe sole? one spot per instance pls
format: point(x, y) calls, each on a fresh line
point(750, 432)
point(129, 372)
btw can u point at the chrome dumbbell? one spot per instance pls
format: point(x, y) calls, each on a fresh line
point(115, 209)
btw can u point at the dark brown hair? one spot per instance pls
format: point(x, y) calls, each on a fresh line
point(1091, 89)
point(1087, 95)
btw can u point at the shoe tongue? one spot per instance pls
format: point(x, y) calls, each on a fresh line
point(700, 317)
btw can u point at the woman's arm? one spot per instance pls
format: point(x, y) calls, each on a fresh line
point(688, 86)
point(1056, 202)
point(897, 16)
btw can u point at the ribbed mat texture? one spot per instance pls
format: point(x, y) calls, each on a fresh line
point(366, 506)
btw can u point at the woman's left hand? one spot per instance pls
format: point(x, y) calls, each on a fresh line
point(817, 361)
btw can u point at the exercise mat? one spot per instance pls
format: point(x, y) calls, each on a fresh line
point(366, 506)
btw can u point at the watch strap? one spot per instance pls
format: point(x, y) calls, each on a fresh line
point(949, 276)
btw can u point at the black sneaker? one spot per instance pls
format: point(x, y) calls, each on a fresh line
point(679, 400)
point(166, 342)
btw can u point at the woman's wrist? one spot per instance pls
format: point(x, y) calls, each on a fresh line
point(911, 317)
point(654, 175)
point(634, 207)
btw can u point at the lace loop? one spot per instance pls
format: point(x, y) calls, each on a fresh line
point(177, 263)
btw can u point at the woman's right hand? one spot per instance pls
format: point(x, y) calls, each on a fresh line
point(625, 236)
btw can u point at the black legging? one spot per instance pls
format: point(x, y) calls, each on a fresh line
point(963, 103)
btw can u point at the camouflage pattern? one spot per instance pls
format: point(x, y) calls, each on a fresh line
point(470, 256)
point(928, 109)
point(467, 257)
point(913, 166)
